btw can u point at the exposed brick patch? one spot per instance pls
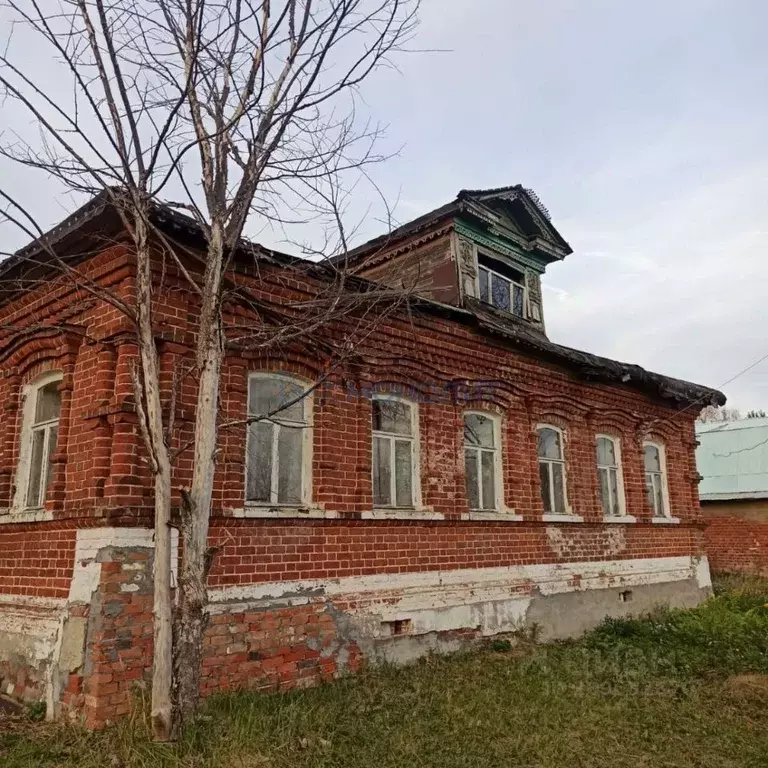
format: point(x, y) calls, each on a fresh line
point(21, 681)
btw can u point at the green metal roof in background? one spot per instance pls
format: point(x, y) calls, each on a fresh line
point(732, 459)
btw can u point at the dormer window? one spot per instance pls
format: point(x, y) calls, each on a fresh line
point(501, 286)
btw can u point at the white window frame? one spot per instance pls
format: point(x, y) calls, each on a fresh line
point(29, 394)
point(665, 513)
point(619, 475)
point(498, 491)
point(415, 454)
point(526, 309)
point(566, 506)
point(307, 440)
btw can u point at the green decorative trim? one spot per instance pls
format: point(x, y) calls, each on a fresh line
point(499, 245)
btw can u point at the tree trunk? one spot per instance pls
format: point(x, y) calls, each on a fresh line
point(149, 406)
point(162, 668)
point(191, 618)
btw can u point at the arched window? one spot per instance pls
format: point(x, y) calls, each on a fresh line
point(395, 434)
point(609, 476)
point(39, 435)
point(552, 469)
point(278, 447)
point(482, 461)
point(655, 465)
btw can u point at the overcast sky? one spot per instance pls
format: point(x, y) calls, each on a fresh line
point(643, 127)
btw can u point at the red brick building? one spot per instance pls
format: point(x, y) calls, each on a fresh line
point(461, 476)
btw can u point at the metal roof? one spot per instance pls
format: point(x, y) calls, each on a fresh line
point(732, 459)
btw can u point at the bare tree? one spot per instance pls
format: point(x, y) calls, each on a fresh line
point(229, 109)
point(715, 413)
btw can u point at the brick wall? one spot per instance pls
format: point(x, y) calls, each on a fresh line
point(443, 366)
point(736, 535)
point(101, 479)
point(36, 559)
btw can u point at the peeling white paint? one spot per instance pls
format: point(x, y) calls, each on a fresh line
point(703, 576)
point(490, 600)
point(564, 543)
point(90, 541)
point(30, 633)
point(31, 627)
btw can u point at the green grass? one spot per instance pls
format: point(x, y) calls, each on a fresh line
point(679, 688)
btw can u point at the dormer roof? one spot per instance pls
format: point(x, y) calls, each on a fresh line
point(513, 211)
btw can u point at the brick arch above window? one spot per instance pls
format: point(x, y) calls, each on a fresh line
point(489, 407)
point(59, 346)
point(659, 429)
point(558, 405)
point(610, 429)
point(550, 418)
point(619, 421)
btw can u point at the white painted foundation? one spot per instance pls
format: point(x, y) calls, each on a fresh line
point(493, 600)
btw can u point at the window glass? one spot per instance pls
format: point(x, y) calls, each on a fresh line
point(483, 280)
point(606, 452)
point(48, 403)
point(652, 459)
point(267, 394)
point(611, 493)
point(605, 490)
point(478, 430)
point(403, 473)
point(655, 480)
point(549, 444)
point(558, 488)
point(393, 416)
point(289, 448)
point(259, 481)
point(275, 447)
point(36, 468)
point(546, 486)
point(393, 449)
point(500, 292)
point(481, 456)
point(40, 436)
point(518, 300)
point(551, 471)
point(488, 461)
point(382, 475)
point(613, 479)
point(473, 479)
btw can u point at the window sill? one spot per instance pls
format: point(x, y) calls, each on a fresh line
point(258, 511)
point(619, 519)
point(562, 518)
point(401, 514)
point(8, 516)
point(489, 516)
point(666, 520)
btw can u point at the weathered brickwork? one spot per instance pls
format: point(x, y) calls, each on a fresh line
point(310, 597)
point(736, 536)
